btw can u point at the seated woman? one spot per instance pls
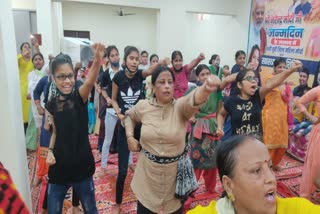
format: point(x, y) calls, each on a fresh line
point(245, 168)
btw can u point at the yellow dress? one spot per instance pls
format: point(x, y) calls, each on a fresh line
point(284, 206)
point(24, 69)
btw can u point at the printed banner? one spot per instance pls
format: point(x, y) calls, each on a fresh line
point(285, 28)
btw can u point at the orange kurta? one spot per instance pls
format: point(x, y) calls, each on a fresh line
point(275, 124)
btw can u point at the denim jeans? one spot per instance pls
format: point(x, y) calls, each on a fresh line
point(227, 129)
point(84, 189)
point(110, 124)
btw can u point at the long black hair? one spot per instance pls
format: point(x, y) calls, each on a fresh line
point(60, 59)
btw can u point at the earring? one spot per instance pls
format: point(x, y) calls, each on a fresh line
point(231, 197)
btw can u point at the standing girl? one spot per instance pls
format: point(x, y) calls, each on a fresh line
point(153, 60)
point(182, 72)
point(70, 157)
point(274, 116)
point(245, 108)
point(203, 140)
point(254, 61)
point(240, 58)
point(126, 92)
point(111, 118)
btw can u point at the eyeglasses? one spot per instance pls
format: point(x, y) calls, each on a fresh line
point(251, 78)
point(63, 77)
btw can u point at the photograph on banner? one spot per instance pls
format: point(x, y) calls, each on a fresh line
point(285, 28)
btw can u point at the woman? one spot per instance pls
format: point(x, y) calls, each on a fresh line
point(214, 67)
point(34, 119)
point(312, 160)
point(182, 72)
point(240, 58)
point(245, 107)
point(216, 70)
point(250, 185)
point(111, 118)
point(127, 88)
point(275, 116)
point(153, 60)
point(163, 162)
point(25, 67)
point(70, 157)
point(203, 140)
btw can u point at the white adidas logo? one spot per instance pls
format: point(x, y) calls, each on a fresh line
point(130, 98)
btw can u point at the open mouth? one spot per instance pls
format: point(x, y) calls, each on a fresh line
point(270, 196)
point(166, 93)
point(254, 87)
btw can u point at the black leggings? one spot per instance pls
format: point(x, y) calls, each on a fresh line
point(123, 158)
point(143, 210)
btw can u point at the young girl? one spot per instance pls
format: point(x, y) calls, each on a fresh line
point(111, 118)
point(182, 72)
point(203, 140)
point(245, 107)
point(126, 92)
point(240, 58)
point(70, 157)
point(34, 121)
point(153, 60)
point(274, 116)
point(214, 67)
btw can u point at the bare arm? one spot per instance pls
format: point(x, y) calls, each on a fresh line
point(307, 98)
point(195, 62)
point(202, 94)
point(278, 79)
point(106, 97)
point(229, 79)
point(50, 158)
point(87, 86)
point(115, 91)
point(222, 115)
point(152, 68)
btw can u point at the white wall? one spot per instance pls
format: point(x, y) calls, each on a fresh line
point(138, 30)
point(219, 34)
point(12, 146)
point(24, 4)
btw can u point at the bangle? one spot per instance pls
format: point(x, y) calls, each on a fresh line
point(50, 149)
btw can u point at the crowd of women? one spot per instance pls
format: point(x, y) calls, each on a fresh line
point(176, 127)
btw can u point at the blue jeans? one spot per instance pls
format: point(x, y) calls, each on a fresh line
point(84, 189)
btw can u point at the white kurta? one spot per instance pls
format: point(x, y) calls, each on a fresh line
point(33, 79)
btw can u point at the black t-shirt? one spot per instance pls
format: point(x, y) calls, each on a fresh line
point(300, 90)
point(245, 114)
point(106, 83)
point(130, 90)
point(72, 150)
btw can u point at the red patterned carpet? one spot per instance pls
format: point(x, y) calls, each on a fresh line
point(288, 185)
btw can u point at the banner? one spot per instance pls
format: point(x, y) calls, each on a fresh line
point(285, 28)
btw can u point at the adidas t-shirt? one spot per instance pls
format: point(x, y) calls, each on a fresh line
point(130, 90)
